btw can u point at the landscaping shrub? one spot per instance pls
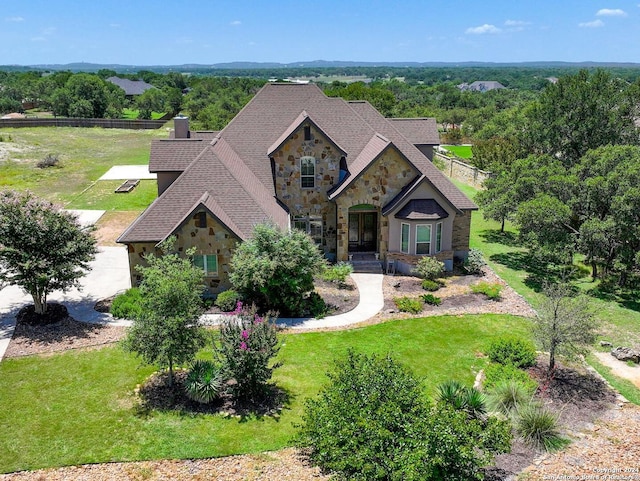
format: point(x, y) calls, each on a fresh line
point(407, 304)
point(492, 291)
point(474, 263)
point(50, 160)
point(275, 269)
point(338, 273)
point(431, 299)
point(127, 305)
point(429, 285)
point(227, 300)
point(247, 345)
point(512, 350)
point(314, 306)
point(497, 373)
point(429, 268)
point(508, 396)
point(538, 427)
point(372, 421)
point(203, 382)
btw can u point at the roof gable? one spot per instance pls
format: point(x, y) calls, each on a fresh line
point(304, 116)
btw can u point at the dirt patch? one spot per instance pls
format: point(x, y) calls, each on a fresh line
point(60, 336)
point(619, 368)
point(112, 224)
point(285, 465)
point(456, 296)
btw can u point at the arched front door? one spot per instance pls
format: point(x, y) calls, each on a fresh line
point(363, 228)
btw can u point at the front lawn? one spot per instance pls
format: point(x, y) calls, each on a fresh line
point(78, 407)
point(100, 195)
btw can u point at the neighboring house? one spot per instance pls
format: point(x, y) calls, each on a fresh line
point(132, 88)
point(482, 86)
point(355, 181)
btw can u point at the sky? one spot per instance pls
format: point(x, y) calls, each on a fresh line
point(160, 32)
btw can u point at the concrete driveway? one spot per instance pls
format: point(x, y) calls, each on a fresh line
point(109, 275)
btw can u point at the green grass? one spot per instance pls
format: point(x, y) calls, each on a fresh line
point(623, 386)
point(78, 407)
point(132, 114)
point(619, 314)
point(101, 196)
point(462, 151)
point(85, 154)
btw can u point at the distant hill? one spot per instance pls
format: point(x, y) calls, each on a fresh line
point(94, 67)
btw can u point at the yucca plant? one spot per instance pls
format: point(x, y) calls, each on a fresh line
point(507, 396)
point(203, 382)
point(538, 427)
point(461, 398)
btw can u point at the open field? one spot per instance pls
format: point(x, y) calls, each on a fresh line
point(69, 408)
point(85, 154)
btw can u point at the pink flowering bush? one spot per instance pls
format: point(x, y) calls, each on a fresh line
point(248, 343)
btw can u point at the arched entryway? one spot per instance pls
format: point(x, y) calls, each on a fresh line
point(363, 228)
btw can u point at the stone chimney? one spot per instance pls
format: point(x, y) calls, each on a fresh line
point(181, 127)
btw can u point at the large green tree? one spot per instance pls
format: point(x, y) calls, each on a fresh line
point(42, 248)
point(167, 331)
point(582, 112)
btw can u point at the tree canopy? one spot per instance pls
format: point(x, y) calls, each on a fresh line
point(42, 248)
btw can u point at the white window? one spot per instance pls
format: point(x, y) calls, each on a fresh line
point(208, 264)
point(312, 225)
point(423, 239)
point(438, 236)
point(404, 238)
point(307, 172)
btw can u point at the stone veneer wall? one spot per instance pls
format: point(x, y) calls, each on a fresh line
point(456, 169)
point(213, 239)
point(380, 183)
point(461, 232)
point(309, 201)
point(406, 262)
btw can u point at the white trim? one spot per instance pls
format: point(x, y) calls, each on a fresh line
point(205, 263)
point(307, 176)
point(438, 245)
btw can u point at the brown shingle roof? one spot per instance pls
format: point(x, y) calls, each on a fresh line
point(422, 209)
point(174, 155)
point(131, 87)
point(419, 131)
point(234, 170)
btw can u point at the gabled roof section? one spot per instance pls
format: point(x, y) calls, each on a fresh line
point(235, 197)
point(419, 131)
point(374, 149)
point(174, 155)
point(295, 125)
point(439, 181)
point(422, 209)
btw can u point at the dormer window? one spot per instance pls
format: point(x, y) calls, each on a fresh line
point(307, 172)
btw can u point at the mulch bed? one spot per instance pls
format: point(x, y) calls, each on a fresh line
point(157, 394)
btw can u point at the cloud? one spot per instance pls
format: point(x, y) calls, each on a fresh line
point(483, 29)
point(48, 31)
point(114, 25)
point(14, 19)
point(611, 12)
point(38, 39)
point(593, 24)
point(235, 23)
point(516, 23)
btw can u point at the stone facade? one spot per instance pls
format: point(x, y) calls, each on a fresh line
point(377, 186)
point(212, 239)
point(460, 236)
point(405, 263)
point(312, 201)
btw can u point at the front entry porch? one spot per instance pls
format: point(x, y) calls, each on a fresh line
point(363, 229)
